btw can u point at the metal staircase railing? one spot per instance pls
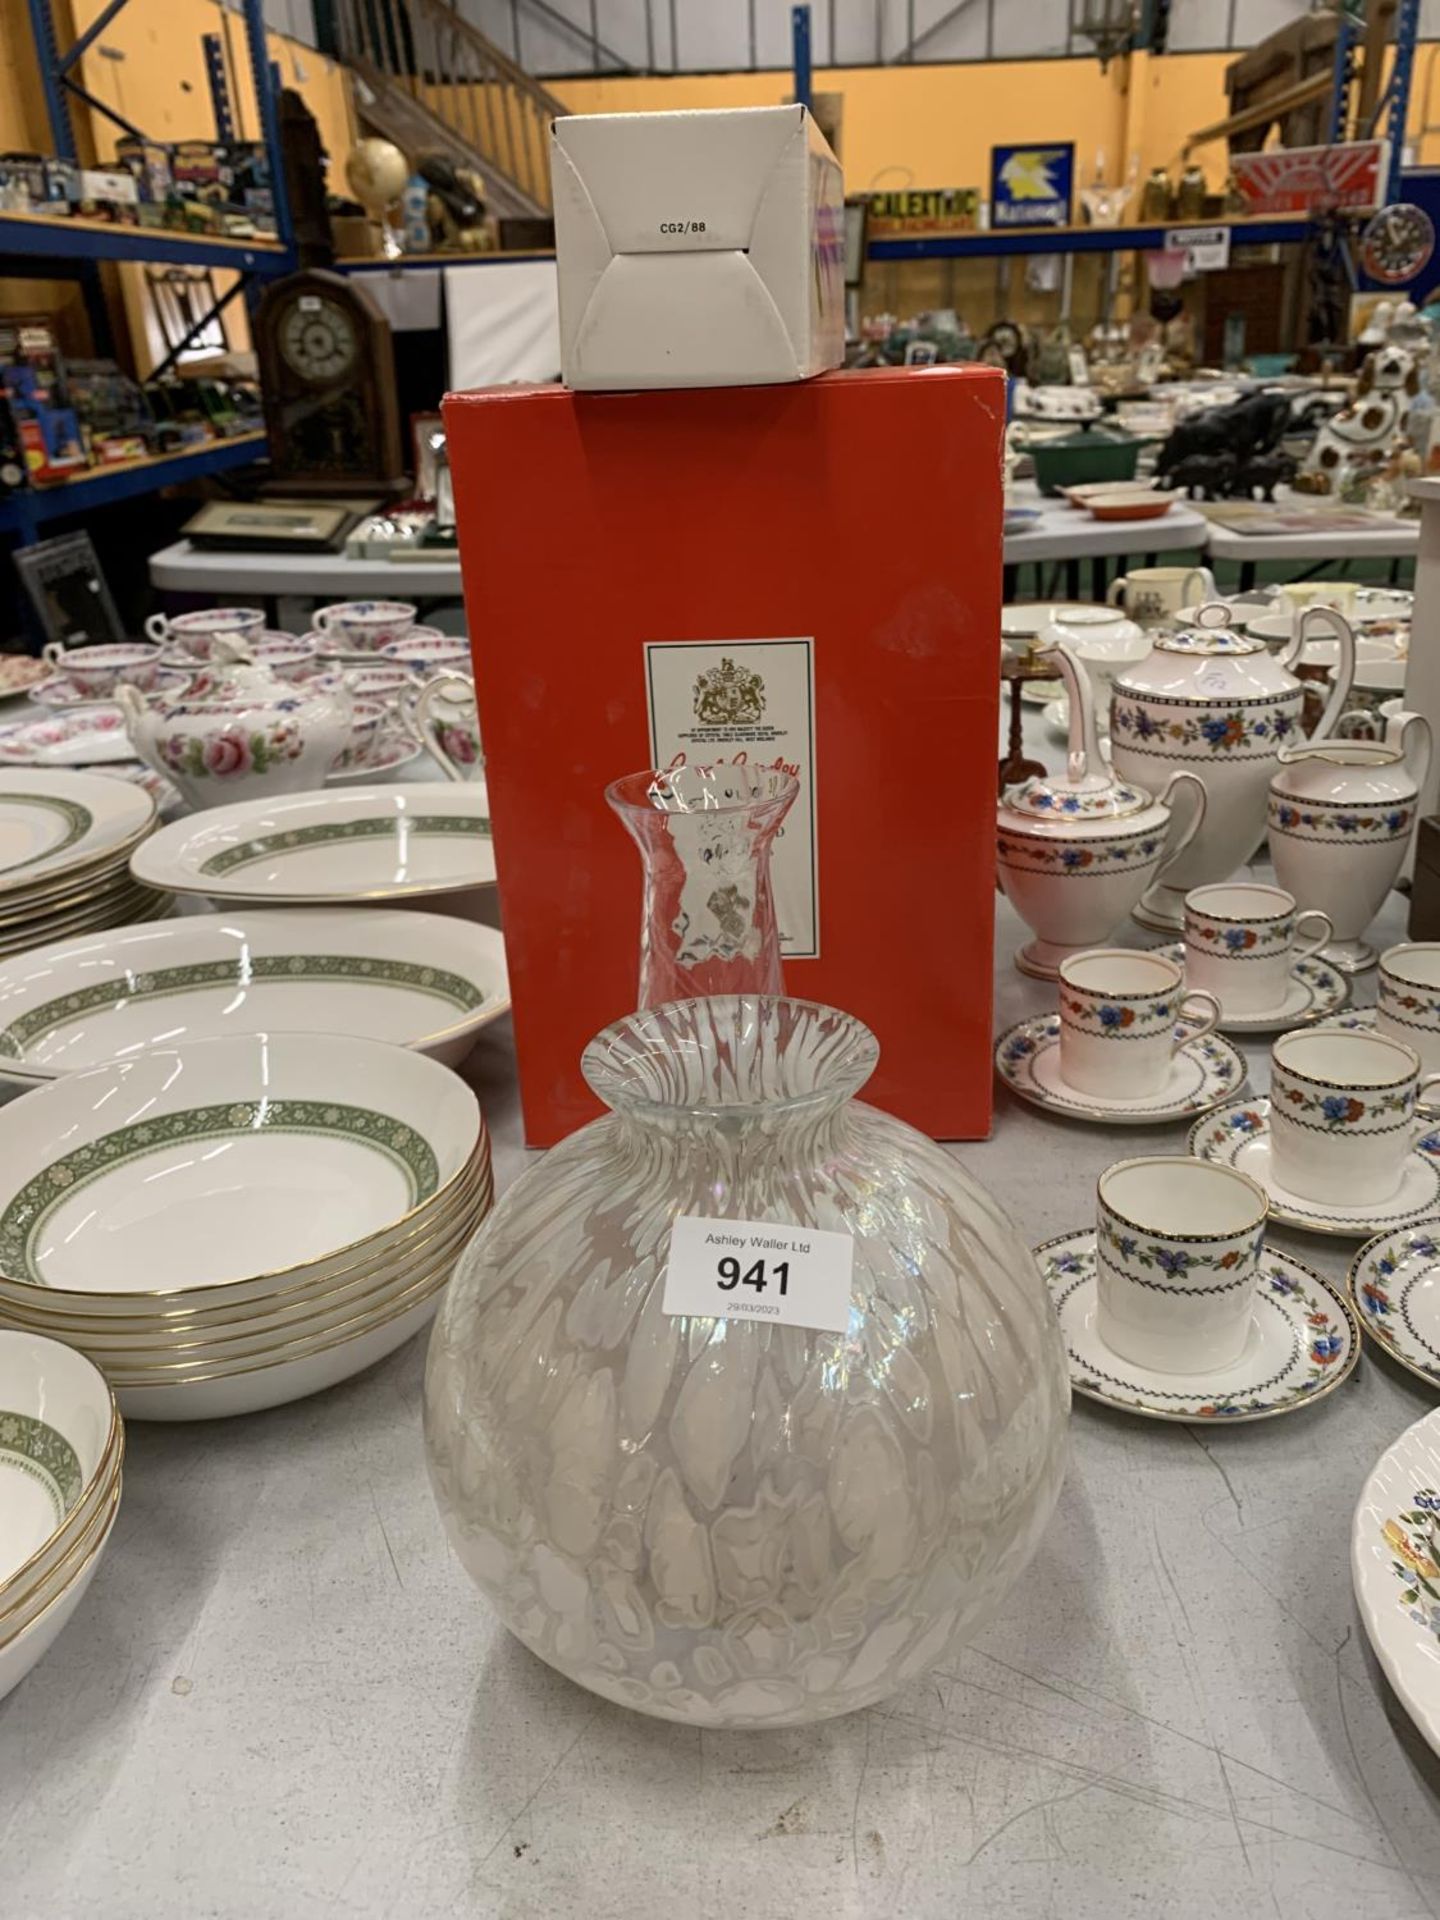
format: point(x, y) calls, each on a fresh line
point(433, 78)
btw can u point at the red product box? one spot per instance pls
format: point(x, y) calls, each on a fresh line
point(832, 549)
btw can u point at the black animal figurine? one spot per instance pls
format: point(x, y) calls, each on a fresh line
point(1265, 472)
point(1204, 475)
point(1250, 426)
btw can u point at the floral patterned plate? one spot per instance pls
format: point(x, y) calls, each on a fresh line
point(1316, 991)
point(1395, 1285)
point(1395, 1565)
point(1238, 1135)
point(1204, 1072)
point(1303, 1344)
point(87, 737)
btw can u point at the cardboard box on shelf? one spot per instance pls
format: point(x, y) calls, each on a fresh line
point(671, 534)
point(697, 249)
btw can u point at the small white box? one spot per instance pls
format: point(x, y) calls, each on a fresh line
point(697, 249)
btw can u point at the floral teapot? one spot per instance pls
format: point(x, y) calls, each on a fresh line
point(1214, 701)
point(239, 732)
point(1075, 854)
point(1342, 816)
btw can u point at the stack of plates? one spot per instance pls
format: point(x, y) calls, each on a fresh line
point(65, 845)
point(236, 1223)
point(61, 1445)
point(321, 849)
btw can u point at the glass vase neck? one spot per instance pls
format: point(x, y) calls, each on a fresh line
point(708, 922)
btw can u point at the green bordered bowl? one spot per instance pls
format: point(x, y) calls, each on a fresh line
point(224, 1170)
point(61, 1443)
point(378, 843)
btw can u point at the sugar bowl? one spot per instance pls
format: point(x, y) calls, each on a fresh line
point(1076, 853)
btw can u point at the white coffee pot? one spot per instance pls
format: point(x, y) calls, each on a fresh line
point(1076, 853)
point(1213, 701)
point(1341, 817)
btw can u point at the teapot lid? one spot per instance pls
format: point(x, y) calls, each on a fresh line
point(1212, 633)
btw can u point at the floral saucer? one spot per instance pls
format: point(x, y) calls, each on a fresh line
point(390, 754)
point(1395, 1565)
point(1395, 1286)
point(1353, 1020)
point(1238, 1135)
point(1316, 990)
point(59, 694)
point(1303, 1343)
point(1203, 1073)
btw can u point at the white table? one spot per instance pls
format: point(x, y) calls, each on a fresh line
point(1063, 534)
point(1067, 534)
point(182, 568)
point(282, 1699)
point(1400, 542)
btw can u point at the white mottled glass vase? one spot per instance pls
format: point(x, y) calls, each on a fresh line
point(724, 1522)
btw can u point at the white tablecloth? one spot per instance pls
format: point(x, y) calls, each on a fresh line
point(282, 1699)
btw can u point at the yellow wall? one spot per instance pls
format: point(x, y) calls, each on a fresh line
point(934, 126)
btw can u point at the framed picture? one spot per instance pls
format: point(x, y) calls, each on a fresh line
point(68, 592)
point(310, 526)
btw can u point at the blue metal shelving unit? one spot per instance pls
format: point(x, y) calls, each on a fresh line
point(1012, 240)
point(23, 514)
point(64, 241)
point(36, 243)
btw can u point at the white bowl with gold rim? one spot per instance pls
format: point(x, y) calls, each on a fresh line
point(327, 848)
point(61, 1447)
point(426, 981)
point(215, 1323)
point(59, 1433)
point(222, 1161)
point(43, 1623)
point(57, 824)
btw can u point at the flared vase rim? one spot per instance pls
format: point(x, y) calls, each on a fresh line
point(621, 795)
point(611, 1066)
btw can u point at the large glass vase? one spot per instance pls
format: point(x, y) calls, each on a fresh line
point(717, 1520)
